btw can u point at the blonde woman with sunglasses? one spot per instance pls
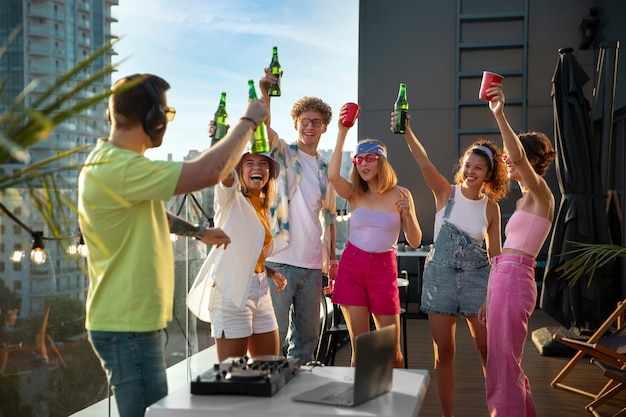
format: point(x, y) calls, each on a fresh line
point(366, 282)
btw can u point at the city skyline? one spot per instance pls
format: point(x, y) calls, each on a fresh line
point(206, 47)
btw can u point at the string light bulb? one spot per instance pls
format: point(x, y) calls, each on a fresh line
point(37, 254)
point(72, 249)
point(17, 255)
point(81, 248)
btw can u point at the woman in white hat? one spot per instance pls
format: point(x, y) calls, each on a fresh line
point(231, 290)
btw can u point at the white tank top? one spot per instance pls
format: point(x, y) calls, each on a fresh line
point(468, 215)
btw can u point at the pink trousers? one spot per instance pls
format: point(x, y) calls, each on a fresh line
point(511, 298)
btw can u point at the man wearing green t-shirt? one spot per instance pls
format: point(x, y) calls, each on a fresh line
point(125, 226)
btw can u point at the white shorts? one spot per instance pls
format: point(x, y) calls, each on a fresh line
point(257, 316)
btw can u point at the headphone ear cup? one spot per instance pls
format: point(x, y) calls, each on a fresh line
point(155, 120)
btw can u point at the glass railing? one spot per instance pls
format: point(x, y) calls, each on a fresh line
point(47, 366)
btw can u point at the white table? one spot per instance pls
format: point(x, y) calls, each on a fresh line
point(405, 399)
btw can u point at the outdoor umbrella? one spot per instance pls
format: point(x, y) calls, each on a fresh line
point(581, 216)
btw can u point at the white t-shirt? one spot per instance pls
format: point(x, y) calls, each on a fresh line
point(305, 229)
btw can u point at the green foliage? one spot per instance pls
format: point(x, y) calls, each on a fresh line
point(8, 299)
point(67, 318)
point(587, 259)
point(10, 396)
point(23, 125)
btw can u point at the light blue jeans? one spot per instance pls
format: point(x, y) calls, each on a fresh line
point(297, 310)
point(135, 367)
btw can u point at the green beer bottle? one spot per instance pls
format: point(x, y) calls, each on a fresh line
point(275, 70)
point(220, 120)
point(401, 108)
point(259, 138)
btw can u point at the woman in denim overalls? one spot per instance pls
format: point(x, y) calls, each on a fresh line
point(456, 271)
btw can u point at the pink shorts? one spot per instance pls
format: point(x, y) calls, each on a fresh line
point(368, 279)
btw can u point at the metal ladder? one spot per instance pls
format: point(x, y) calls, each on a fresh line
point(494, 40)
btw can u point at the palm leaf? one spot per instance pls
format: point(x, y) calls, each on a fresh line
point(587, 259)
point(22, 126)
point(45, 167)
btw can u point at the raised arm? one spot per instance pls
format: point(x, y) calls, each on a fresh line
point(342, 186)
point(217, 163)
point(230, 178)
point(437, 183)
point(264, 84)
point(513, 146)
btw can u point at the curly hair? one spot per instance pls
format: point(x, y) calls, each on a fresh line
point(496, 185)
point(387, 178)
point(312, 104)
point(539, 150)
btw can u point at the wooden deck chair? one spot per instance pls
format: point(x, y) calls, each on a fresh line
point(602, 345)
point(618, 379)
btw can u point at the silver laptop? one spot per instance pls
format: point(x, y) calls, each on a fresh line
point(373, 374)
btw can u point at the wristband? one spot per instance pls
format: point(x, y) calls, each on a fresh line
point(250, 120)
point(333, 262)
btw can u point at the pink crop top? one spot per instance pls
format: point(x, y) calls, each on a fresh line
point(374, 231)
point(526, 232)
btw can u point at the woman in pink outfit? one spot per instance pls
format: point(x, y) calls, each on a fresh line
point(512, 291)
point(366, 283)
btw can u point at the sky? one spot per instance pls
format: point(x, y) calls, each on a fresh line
point(204, 47)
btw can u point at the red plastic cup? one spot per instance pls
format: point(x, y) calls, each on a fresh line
point(488, 78)
point(352, 112)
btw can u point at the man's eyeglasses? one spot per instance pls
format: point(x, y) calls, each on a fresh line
point(170, 113)
point(314, 122)
point(369, 158)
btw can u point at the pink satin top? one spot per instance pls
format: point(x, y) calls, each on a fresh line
point(526, 232)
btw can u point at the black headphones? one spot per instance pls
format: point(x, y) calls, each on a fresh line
point(155, 119)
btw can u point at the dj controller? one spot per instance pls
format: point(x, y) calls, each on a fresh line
point(260, 376)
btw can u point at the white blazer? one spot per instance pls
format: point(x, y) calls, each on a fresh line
point(231, 269)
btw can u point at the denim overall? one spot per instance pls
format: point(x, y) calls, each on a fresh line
point(456, 271)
